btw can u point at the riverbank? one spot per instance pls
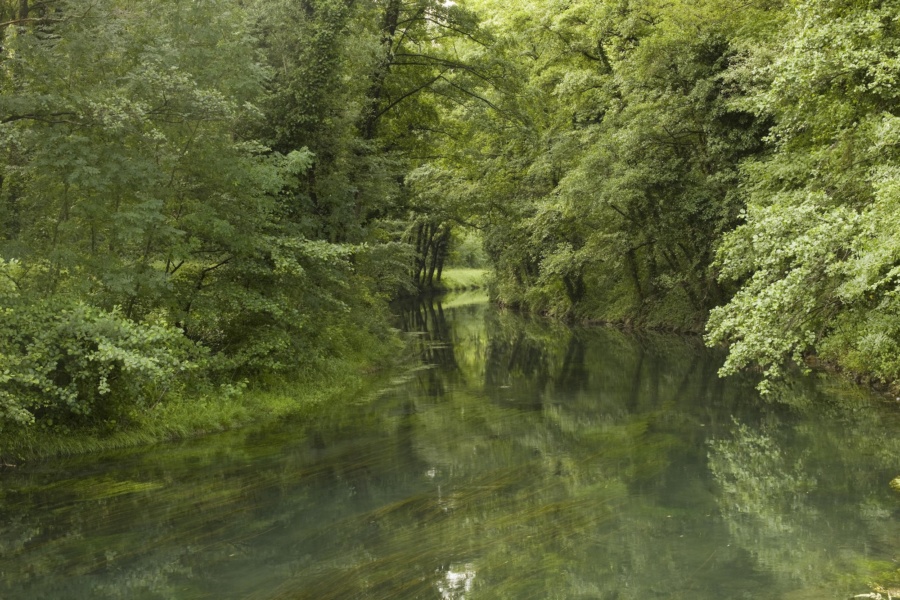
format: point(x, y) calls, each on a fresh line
point(674, 313)
point(462, 279)
point(214, 409)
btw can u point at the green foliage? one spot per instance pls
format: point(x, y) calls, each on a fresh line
point(467, 250)
point(145, 230)
point(233, 189)
point(650, 162)
point(67, 363)
point(613, 161)
point(816, 257)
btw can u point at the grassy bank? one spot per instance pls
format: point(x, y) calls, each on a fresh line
point(213, 409)
point(455, 280)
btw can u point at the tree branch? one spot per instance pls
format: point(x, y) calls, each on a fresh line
point(38, 117)
point(403, 97)
point(477, 97)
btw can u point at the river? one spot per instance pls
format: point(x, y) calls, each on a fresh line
point(522, 459)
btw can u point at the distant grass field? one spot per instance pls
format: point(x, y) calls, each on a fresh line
point(462, 279)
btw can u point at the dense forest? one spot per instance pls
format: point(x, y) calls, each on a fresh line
point(200, 192)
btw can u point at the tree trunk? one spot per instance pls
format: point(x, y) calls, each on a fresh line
point(575, 287)
point(631, 259)
point(388, 29)
point(432, 265)
point(421, 249)
point(442, 249)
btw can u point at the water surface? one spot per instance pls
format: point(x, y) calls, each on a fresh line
point(524, 459)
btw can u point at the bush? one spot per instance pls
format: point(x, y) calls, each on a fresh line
point(64, 361)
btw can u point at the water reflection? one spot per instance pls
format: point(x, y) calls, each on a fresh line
point(530, 460)
point(457, 582)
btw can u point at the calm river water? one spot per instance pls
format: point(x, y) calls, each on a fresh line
point(524, 459)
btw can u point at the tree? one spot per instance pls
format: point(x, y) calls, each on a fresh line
point(142, 235)
point(816, 256)
point(124, 193)
point(612, 165)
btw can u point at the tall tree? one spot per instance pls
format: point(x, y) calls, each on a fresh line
point(141, 232)
point(817, 256)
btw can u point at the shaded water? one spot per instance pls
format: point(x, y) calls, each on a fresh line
point(530, 460)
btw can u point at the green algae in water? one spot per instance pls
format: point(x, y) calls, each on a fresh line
point(524, 459)
point(96, 489)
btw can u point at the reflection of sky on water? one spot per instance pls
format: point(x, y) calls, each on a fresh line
point(457, 581)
